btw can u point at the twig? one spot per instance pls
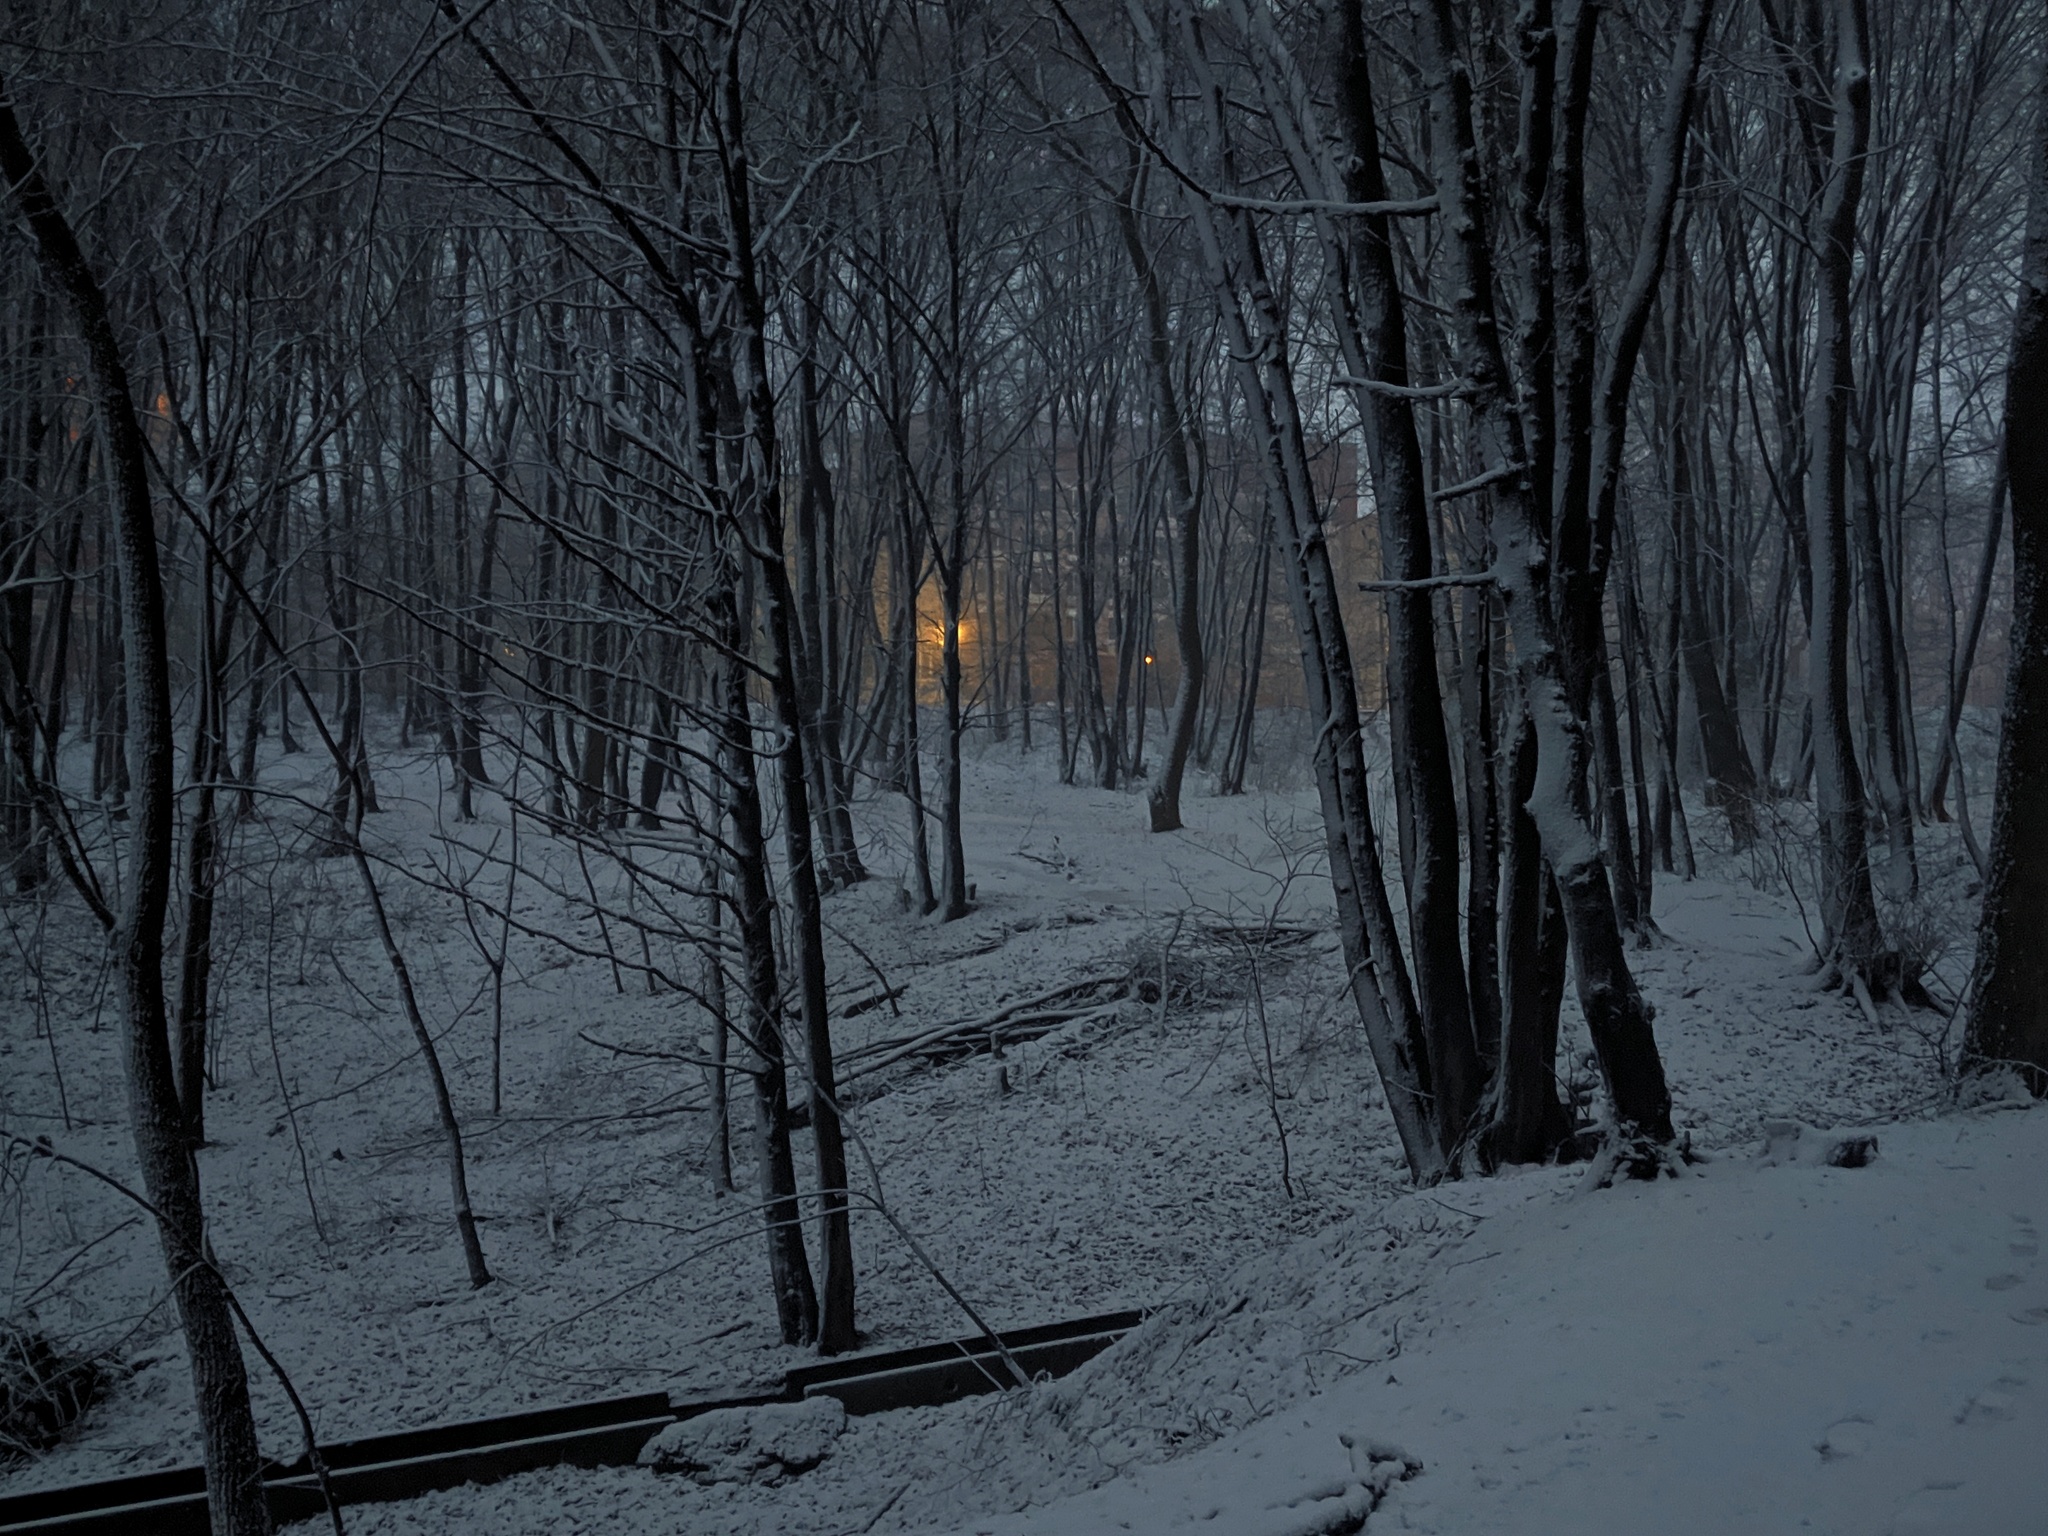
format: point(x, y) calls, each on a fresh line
point(633, 1050)
point(1486, 578)
point(887, 1505)
point(1479, 482)
point(1404, 391)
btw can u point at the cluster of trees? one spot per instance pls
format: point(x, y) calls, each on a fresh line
point(682, 417)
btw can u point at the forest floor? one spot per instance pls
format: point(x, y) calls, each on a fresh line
point(1751, 1347)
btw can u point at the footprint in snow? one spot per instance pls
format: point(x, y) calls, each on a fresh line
point(2026, 1242)
point(1849, 1438)
point(1995, 1403)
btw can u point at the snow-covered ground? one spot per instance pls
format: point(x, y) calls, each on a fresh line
point(1747, 1348)
point(1758, 1347)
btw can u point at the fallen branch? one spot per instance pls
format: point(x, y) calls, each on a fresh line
point(653, 1055)
point(1029, 1013)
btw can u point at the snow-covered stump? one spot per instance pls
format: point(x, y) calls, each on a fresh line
point(768, 1444)
point(1792, 1143)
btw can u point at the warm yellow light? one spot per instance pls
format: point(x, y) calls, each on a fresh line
point(1148, 661)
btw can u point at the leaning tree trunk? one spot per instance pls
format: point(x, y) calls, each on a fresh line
point(2009, 997)
point(170, 1176)
point(1255, 329)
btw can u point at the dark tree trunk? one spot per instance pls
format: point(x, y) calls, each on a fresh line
point(789, 1269)
point(23, 858)
point(1616, 1015)
point(817, 615)
point(1163, 801)
point(1425, 792)
point(767, 533)
point(1529, 1122)
point(2009, 996)
point(1255, 330)
point(234, 1462)
point(1848, 903)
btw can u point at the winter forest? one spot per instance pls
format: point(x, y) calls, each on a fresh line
point(1326, 721)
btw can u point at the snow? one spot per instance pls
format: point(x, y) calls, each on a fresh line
point(1765, 1342)
point(746, 1445)
point(1755, 1348)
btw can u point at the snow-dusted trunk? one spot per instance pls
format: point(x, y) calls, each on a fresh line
point(789, 1268)
point(1616, 1014)
point(2009, 999)
point(170, 1175)
point(1528, 1122)
point(1577, 573)
point(1848, 904)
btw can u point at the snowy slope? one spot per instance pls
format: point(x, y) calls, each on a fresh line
point(1752, 1349)
point(1232, 1165)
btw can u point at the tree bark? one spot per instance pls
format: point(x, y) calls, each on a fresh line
point(1255, 329)
point(234, 1462)
point(1163, 801)
point(1373, 328)
point(2008, 1020)
point(1848, 903)
point(1616, 1015)
point(768, 535)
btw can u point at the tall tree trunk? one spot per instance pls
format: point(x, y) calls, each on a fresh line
point(203, 851)
point(170, 1175)
point(1884, 688)
point(789, 1268)
point(24, 860)
point(1256, 332)
point(768, 536)
point(1848, 903)
point(1425, 792)
point(817, 617)
point(1528, 1120)
point(1616, 1015)
point(1163, 801)
point(1965, 660)
point(2009, 994)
